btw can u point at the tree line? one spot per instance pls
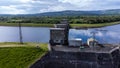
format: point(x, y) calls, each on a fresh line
point(54, 20)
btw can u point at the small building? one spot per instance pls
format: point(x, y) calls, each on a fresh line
point(75, 42)
point(92, 42)
point(61, 26)
point(58, 36)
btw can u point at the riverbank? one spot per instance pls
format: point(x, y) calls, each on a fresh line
point(15, 55)
point(78, 26)
point(27, 24)
point(52, 25)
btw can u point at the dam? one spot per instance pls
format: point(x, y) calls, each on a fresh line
point(64, 54)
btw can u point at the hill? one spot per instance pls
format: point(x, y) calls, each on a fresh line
point(78, 13)
point(71, 13)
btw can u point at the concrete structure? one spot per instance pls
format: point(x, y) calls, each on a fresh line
point(69, 57)
point(62, 55)
point(58, 36)
point(61, 26)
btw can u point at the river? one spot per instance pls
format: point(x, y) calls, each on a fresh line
point(109, 34)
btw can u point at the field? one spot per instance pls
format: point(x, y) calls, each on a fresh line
point(15, 55)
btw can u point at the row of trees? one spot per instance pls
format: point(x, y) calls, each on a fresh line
point(53, 20)
point(95, 19)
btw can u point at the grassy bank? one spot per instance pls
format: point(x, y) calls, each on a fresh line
point(93, 25)
point(27, 24)
point(15, 55)
point(51, 25)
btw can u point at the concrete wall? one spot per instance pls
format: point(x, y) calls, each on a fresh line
point(76, 60)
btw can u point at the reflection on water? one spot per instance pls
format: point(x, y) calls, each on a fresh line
point(108, 34)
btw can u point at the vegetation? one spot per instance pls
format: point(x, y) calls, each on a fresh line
point(54, 20)
point(27, 24)
point(92, 25)
point(15, 55)
point(96, 20)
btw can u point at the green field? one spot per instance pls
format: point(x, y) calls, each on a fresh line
point(51, 25)
point(15, 55)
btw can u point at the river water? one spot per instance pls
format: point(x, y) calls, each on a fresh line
point(109, 34)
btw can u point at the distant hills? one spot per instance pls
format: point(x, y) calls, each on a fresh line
point(72, 13)
point(77, 13)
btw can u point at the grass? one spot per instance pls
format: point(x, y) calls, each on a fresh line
point(92, 25)
point(20, 56)
point(27, 24)
point(52, 25)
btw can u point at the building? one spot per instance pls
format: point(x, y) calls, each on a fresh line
point(58, 36)
point(75, 42)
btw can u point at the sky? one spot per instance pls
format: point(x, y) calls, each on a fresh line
point(41, 6)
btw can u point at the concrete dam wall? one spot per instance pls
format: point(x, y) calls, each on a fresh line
point(77, 60)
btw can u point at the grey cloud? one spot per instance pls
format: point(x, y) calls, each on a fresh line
point(38, 6)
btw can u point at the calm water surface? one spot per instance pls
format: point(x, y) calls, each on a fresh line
point(109, 34)
point(29, 34)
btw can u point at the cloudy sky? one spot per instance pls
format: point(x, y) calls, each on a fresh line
point(40, 6)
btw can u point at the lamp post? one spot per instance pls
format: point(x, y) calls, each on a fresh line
point(20, 33)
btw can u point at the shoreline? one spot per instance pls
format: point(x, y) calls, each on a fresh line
point(75, 26)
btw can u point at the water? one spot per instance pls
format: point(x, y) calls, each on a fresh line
point(29, 34)
point(109, 34)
